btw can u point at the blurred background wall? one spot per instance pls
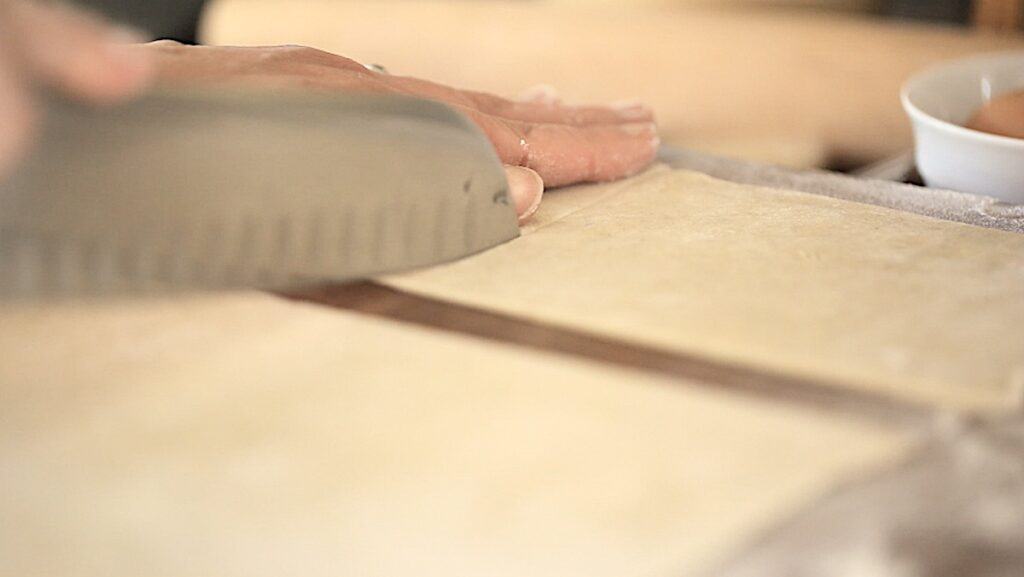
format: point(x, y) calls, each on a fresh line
point(998, 14)
point(992, 13)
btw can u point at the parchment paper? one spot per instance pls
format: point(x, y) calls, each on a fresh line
point(244, 435)
point(847, 292)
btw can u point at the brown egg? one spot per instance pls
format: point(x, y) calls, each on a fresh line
point(1003, 115)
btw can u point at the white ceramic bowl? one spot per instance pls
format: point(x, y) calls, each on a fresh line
point(940, 100)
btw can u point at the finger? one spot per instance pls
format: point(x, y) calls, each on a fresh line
point(537, 111)
point(563, 154)
point(526, 189)
point(17, 115)
point(79, 54)
point(548, 110)
point(559, 113)
point(567, 154)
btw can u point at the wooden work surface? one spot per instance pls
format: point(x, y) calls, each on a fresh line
point(791, 87)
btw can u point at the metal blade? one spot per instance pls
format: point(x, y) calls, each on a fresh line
point(186, 190)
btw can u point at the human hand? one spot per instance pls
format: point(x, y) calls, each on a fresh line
point(59, 47)
point(541, 140)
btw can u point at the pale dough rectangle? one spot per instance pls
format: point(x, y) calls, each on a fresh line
point(244, 435)
point(879, 299)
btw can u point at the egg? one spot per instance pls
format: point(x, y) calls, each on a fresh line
point(1003, 115)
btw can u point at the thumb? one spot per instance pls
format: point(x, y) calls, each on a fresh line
point(525, 188)
point(79, 53)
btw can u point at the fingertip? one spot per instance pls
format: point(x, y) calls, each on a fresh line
point(526, 188)
point(81, 54)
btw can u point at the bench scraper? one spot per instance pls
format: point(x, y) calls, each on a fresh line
point(215, 190)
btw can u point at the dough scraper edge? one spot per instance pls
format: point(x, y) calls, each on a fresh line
point(211, 190)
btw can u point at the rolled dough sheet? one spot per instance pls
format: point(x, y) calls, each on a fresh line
point(862, 295)
point(249, 436)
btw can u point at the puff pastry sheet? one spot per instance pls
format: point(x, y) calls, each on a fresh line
point(849, 293)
